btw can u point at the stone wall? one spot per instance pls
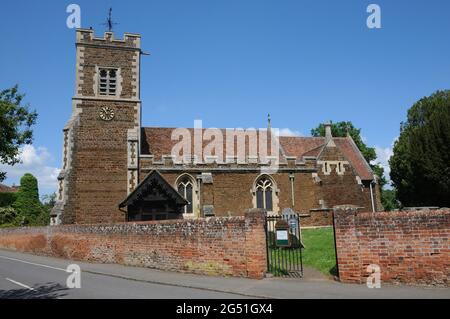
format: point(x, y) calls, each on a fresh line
point(231, 192)
point(233, 246)
point(409, 246)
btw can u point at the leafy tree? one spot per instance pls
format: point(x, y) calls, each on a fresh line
point(389, 199)
point(7, 199)
point(43, 219)
point(49, 200)
point(8, 217)
point(340, 129)
point(15, 126)
point(27, 203)
point(420, 165)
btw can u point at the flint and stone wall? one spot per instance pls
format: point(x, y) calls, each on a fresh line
point(228, 246)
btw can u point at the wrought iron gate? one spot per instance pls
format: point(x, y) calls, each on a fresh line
point(284, 245)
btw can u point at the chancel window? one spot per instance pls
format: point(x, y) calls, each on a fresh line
point(264, 194)
point(186, 189)
point(107, 81)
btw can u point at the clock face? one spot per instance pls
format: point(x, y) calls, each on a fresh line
point(106, 113)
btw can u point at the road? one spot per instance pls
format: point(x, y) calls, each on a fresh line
point(30, 276)
point(41, 278)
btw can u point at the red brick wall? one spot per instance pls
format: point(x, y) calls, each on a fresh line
point(232, 246)
point(410, 247)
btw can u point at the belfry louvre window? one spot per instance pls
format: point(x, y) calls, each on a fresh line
point(264, 189)
point(107, 81)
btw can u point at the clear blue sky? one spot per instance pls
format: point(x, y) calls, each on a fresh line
point(231, 62)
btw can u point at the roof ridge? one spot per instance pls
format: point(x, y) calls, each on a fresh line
point(315, 148)
point(355, 147)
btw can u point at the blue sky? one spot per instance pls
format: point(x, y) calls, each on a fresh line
point(231, 62)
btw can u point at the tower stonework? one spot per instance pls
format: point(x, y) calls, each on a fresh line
point(101, 139)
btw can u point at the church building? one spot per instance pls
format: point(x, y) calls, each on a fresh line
point(116, 170)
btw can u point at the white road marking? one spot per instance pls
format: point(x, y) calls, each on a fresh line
point(20, 284)
point(35, 264)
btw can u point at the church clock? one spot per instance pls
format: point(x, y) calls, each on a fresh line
point(106, 113)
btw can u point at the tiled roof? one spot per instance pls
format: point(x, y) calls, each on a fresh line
point(298, 145)
point(7, 189)
point(154, 179)
point(311, 146)
point(352, 153)
point(157, 141)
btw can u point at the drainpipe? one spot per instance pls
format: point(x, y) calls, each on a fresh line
point(291, 177)
point(199, 187)
point(371, 197)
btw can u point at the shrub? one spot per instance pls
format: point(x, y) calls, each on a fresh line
point(8, 217)
point(27, 203)
point(7, 199)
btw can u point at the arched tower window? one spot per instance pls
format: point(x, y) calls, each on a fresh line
point(265, 193)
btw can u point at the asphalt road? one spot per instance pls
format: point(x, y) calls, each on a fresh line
point(31, 276)
point(20, 278)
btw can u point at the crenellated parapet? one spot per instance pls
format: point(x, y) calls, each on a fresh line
point(87, 37)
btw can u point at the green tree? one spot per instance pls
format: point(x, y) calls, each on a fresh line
point(15, 126)
point(420, 165)
point(27, 203)
point(340, 129)
point(7, 199)
point(49, 200)
point(389, 200)
point(8, 217)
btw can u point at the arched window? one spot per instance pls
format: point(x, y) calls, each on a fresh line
point(264, 193)
point(185, 187)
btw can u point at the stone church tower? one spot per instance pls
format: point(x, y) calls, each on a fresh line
point(101, 139)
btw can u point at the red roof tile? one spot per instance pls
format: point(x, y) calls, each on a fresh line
point(354, 156)
point(157, 141)
point(7, 189)
point(298, 145)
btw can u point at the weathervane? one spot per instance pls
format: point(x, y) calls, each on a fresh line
point(109, 22)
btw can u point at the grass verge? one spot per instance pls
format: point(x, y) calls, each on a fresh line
point(319, 252)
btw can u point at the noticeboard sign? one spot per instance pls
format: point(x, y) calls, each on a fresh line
point(282, 237)
point(293, 224)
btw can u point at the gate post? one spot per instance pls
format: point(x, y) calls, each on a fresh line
point(255, 243)
point(348, 260)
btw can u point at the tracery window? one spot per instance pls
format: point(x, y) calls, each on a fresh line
point(186, 189)
point(264, 193)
